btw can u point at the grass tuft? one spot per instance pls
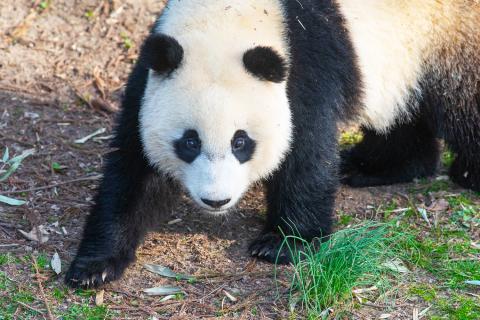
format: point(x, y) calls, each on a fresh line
point(326, 272)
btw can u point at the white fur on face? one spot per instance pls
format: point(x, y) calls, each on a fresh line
point(212, 93)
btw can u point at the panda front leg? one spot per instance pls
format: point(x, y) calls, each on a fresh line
point(301, 194)
point(116, 226)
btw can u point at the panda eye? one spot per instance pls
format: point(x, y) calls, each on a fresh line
point(188, 147)
point(192, 144)
point(243, 146)
point(239, 143)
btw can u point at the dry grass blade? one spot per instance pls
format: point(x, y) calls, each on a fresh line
point(38, 277)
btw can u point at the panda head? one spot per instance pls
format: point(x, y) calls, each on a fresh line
point(214, 117)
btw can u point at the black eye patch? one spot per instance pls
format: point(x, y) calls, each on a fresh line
point(266, 64)
point(243, 146)
point(188, 147)
point(161, 53)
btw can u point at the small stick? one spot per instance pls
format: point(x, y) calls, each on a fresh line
point(39, 281)
point(98, 177)
point(28, 307)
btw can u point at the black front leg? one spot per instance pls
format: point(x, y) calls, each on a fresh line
point(117, 223)
point(119, 219)
point(301, 195)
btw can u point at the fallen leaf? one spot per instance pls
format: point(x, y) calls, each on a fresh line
point(166, 272)
point(473, 282)
point(34, 234)
point(99, 298)
point(439, 205)
point(396, 265)
point(424, 214)
point(6, 155)
point(15, 163)
point(162, 291)
point(11, 201)
point(363, 290)
point(166, 298)
point(56, 263)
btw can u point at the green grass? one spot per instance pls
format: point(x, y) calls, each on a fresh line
point(458, 307)
point(325, 273)
point(350, 138)
point(87, 312)
point(14, 294)
point(447, 158)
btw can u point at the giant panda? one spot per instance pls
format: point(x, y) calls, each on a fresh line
point(227, 93)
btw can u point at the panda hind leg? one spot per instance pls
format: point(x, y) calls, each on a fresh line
point(462, 135)
point(408, 151)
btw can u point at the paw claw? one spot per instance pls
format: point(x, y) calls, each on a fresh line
point(267, 247)
point(91, 272)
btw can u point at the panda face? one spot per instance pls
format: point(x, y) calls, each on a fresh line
point(215, 114)
point(215, 140)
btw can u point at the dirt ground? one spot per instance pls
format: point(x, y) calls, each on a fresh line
point(62, 69)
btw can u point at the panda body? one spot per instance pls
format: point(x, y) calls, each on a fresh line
point(227, 93)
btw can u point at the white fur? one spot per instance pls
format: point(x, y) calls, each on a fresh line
point(398, 41)
point(212, 93)
point(390, 56)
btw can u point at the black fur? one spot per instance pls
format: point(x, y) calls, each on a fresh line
point(265, 64)
point(116, 225)
point(161, 53)
point(323, 84)
point(407, 151)
point(188, 147)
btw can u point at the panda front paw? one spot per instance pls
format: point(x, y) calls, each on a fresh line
point(269, 247)
point(91, 272)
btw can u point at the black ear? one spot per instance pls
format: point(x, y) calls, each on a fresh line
point(161, 53)
point(266, 64)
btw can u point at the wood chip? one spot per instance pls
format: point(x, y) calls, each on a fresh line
point(99, 297)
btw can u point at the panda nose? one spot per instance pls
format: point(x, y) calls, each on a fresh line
point(216, 204)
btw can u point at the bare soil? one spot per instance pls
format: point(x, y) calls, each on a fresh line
point(62, 71)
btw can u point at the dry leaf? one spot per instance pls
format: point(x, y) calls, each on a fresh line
point(166, 298)
point(166, 272)
point(396, 265)
point(56, 263)
point(162, 291)
point(34, 235)
point(363, 290)
point(439, 205)
point(99, 298)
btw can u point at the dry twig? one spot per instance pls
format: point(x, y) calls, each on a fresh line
point(92, 178)
point(40, 286)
